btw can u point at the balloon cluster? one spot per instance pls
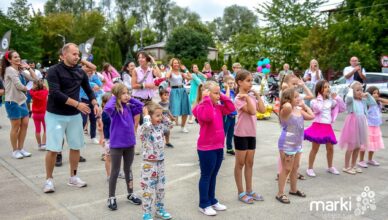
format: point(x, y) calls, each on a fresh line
point(263, 65)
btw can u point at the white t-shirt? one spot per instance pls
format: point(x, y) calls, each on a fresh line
point(326, 111)
point(314, 75)
point(349, 69)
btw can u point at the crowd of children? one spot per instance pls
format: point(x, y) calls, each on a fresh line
point(227, 114)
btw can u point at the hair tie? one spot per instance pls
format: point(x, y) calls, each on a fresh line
point(6, 55)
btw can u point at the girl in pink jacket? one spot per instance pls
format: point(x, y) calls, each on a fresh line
point(209, 113)
point(326, 109)
point(110, 74)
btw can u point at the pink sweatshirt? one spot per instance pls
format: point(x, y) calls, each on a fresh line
point(337, 107)
point(108, 77)
point(209, 116)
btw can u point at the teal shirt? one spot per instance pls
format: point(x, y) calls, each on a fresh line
point(195, 82)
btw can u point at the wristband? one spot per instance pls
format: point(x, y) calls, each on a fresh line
point(77, 105)
point(143, 85)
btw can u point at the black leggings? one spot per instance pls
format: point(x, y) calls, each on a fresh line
point(115, 155)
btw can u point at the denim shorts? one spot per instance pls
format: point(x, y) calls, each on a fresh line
point(16, 111)
point(57, 126)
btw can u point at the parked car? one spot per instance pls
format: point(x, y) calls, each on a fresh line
point(380, 80)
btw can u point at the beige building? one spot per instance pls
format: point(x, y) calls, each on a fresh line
point(158, 51)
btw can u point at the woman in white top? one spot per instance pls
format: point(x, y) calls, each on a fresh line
point(313, 74)
point(12, 72)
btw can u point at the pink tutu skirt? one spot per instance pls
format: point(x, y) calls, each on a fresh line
point(320, 133)
point(375, 139)
point(354, 134)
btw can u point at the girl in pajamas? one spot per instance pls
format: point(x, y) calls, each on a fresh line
point(152, 170)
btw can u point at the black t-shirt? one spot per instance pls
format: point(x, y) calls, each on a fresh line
point(65, 82)
point(1, 87)
point(358, 78)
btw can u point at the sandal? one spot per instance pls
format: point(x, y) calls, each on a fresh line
point(301, 177)
point(298, 193)
point(256, 196)
point(283, 199)
point(245, 198)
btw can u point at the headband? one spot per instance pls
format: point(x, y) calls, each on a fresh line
point(6, 55)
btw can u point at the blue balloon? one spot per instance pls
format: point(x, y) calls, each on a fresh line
point(266, 71)
point(266, 61)
point(260, 63)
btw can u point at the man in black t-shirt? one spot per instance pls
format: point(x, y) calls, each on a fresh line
point(63, 113)
point(1, 93)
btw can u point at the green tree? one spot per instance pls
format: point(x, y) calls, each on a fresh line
point(288, 23)
point(188, 42)
point(160, 17)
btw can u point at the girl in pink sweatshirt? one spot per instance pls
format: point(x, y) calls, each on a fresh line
point(209, 113)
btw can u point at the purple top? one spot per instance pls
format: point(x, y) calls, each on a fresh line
point(374, 115)
point(291, 138)
point(143, 93)
point(122, 131)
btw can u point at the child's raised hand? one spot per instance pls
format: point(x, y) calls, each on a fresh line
point(145, 110)
point(300, 82)
point(364, 95)
point(205, 93)
point(333, 95)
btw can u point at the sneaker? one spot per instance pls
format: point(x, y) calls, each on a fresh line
point(25, 153)
point(184, 130)
point(95, 141)
point(49, 186)
point(209, 211)
point(17, 155)
point(161, 213)
point(112, 203)
point(349, 170)
point(121, 175)
point(137, 152)
point(169, 145)
point(58, 161)
point(357, 169)
point(310, 172)
point(42, 147)
point(373, 163)
point(230, 152)
point(76, 181)
point(362, 164)
point(147, 216)
point(219, 207)
point(133, 199)
point(82, 159)
point(333, 170)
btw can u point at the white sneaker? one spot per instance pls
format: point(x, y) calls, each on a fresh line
point(310, 172)
point(42, 147)
point(333, 170)
point(121, 175)
point(17, 155)
point(76, 181)
point(49, 186)
point(219, 207)
point(25, 153)
point(209, 211)
point(184, 130)
point(95, 141)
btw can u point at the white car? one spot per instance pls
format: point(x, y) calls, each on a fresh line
point(380, 80)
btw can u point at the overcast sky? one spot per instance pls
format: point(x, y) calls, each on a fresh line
point(207, 9)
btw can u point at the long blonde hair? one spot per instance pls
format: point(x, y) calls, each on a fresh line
point(152, 107)
point(207, 85)
point(118, 90)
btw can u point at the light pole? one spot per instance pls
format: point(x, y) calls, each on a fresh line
point(63, 39)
